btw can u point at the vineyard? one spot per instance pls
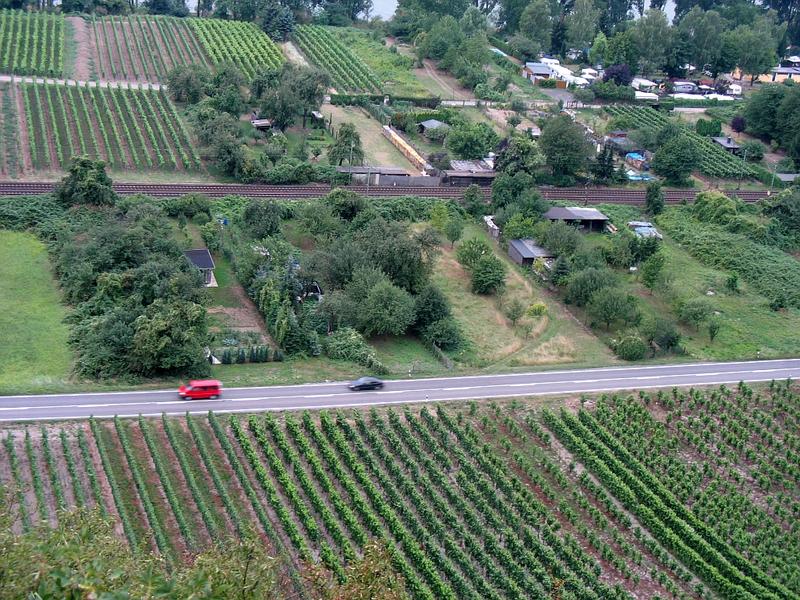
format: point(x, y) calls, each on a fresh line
point(127, 128)
point(240, 43)
point(145, 48)
point(714, 161)
point(10, 165)
point(31, 43)
point(348, 73)
point(484, 503)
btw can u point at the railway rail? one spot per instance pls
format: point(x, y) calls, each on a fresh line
point(580, 195)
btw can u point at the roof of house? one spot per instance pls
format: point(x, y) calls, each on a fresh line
point(726, 142)
point(529, 249)
point(470, 166)
point(360, 170)
point(432, 124)
point(471, 174)
point(787, 177)
point(200, 258)
point(538, 68)
point(574, 213)
point(786, 71)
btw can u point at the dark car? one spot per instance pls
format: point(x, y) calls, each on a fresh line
point(366, 383)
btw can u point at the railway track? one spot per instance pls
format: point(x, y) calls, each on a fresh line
point(579, 195)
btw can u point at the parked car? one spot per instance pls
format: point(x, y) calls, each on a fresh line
point(366, 383)
point(201, 389)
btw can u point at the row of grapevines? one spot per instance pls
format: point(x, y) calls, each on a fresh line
point(36, 158)
point(166, 483)
point(116, 491)
point(52, 470)
point(141, 487)
point(16, 473)
point(347, 70)
point(77, 486)
point(36, 478)
point(31, 43)
point(240, 43)
point(91, 474)
point(180, 135)
point(191, 482)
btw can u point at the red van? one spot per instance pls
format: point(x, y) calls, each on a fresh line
point(200, 389)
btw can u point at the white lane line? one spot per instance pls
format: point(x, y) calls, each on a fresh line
point(530, 384)
point(363, 404)
point(789, 363)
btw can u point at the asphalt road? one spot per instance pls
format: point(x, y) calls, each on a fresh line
point(336, 395)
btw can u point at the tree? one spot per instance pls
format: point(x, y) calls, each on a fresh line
point(676, 159)
point(387, 309)
point(761, 110)
point(652, 35)
point(519, 227)
point(453, 229)
point(431, 306)
point(510, 12)
point(754, 49)
point(187, 82)
point(169, 338)
point(536, 23)
point(513, 121)
point(308, 85)
point(564, 145)
point(609, 305)
point(445, 333)
point(584, 284)
point(651, 270)
point(738, 123)
point(86, 182)
point(346, 146)
point(520, 153)
point(262, 218)
point(277, 21)
point(473, 22)
point(474, 201)
point(662, 333)
point(694, 311)
point(582, 24)
point(630, 347)
point(702, 32)
point(471, 140)
point(752, 150)
point(654, 198)
point(471, 251)
point(597, 53)
point(489, 275)
point(515, 311)
point(603, 168)
point(714, 326)
point(618, 73)
point(506, 188)
point(622, 49)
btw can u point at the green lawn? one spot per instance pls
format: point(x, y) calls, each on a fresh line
point(223, 294)
point(407, 355)
point(34, 353)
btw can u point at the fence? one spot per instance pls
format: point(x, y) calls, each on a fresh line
point(406, 149)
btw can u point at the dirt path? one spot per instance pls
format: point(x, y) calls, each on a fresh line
point(24, 142)
point(84, 44)
point(293, 54)
point(448, 83)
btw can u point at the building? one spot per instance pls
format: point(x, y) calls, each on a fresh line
point(787, 177)
point(524, 252)
point(432, 125)
point(374, 175)
point(684, 87)
point(537, 70)
point(467, 172)
point(590, 219)
point(643, 85)
point(202, 260)
point(727, 143)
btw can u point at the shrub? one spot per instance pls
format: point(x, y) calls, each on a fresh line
point(753, 150)
point(537, 309)
point(445, 333)
point(585, 95)
point(347, 344)
point(663, 333)
point(471, 251)
point(212, 236)
point(695, 311)
point(630, 347)
point(489, 275)
point(583, 284)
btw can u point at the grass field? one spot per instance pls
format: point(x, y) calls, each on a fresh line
point(34, 348)
point(598, 500)
point(554, 338)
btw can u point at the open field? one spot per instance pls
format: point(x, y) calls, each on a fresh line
point(34, 347)
point(477, 501)
point(31, 44)
point(62, 121)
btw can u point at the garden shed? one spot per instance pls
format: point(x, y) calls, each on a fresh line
point(431, 125)
point(201, 258)
point(524, 252)
point(727, 143)
point(586, 218)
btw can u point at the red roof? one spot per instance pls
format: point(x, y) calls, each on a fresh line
point(205, 382)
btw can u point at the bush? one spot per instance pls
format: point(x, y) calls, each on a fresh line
point(445, 333)
point(537, 309)
point(471, 251)
point(753, 150)
point(212, 236)
point(631, 347)
point(583, 284)
point(662, 333)
point(585, 95)
point(489, 275)
point(693, 312)
point(347, 344)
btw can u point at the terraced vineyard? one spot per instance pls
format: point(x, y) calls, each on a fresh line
point(347, 71)
point(31, 43)
point(145, 48)
point(128, 128)
point(714, 161)
point(482, 503)
point(10, 164)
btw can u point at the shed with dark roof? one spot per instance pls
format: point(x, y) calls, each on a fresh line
point(587, 218)
point(202, 259)
point(524, 252)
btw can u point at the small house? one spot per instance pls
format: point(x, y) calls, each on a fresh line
point(684, 87)
point(426, 127)
point(590, 219)
point(261, 124)
point(524, 252)
point(536, 70)
point(201, 258)
point(727, 143)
